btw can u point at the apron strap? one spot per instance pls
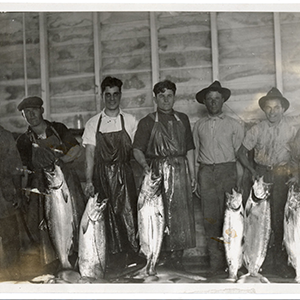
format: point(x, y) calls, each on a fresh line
point(122, 122)
point(98, 125)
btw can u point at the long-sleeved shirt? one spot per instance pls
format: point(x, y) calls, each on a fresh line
point(217, 139)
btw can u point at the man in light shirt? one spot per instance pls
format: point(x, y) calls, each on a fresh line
point(271, 140)
point(217, 138)
point(108, 141)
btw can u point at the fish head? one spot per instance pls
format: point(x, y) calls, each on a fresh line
point(293, 198)
point(234, 200)
point(261, 189)
point(151, 183)
point(54, 176)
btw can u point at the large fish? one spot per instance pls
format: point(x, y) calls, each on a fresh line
point(291, 229)
point(151, 221)
point(233, 231)
point(92, 240)
point(59, 214)
point(257, 228)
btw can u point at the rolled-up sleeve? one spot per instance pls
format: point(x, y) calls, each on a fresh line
point(239, 136)
point(89, 134)
point(250, 139)
point(143, 133)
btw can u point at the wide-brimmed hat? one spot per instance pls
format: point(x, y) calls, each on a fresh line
point(215, 86)
point(30, 102)
point(274, 93)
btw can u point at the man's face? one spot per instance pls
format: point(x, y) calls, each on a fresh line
point(273, 110)
point(112, 97)
point(33, 115)
point(214, 102)
point(165, 100)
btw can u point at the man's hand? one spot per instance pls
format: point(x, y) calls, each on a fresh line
point(293, 180)
point(193, 185)
point(89, 189)
point(146, 169)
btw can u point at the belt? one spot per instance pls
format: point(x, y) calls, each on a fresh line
point(270, 167)
point(219, 164)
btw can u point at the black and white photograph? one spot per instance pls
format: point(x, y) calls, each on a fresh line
point(150, 148)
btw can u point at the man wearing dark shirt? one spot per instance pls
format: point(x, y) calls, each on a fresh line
point(165, 138)
point(47, 135)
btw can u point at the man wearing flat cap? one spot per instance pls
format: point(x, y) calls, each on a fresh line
point(217, 138)
point(271, 140)
point(64, 148)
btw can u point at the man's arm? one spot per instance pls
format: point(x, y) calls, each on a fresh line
point(89, 169)
point(72, 154)
point(191, 163)
point(242, 155)
point(141, 159)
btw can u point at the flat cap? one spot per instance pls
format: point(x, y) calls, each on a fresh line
point(32, 101)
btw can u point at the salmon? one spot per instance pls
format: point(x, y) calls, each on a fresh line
point(257, 226)
point(59, 215)
point(233, 231)
point(291, 229)
point(151, 222)
point(92, 240)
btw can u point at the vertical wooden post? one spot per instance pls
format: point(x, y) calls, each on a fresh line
point(154, 50)
point(44, 64)
point(25, 57)
point(278, 54)
point(214, 45)
point(97, 60)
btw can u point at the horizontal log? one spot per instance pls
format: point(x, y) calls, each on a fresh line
point(184, 42)
point(72, 87)
point(121, 64)
point(233, 20)
point(129, 29)
point(69, 36)
point(122, 17)
point(180, 22)
point(125, 47)
point(62, 20)
point(11, 92)
point(185, 59)
point(14, 124)
point(73, 104)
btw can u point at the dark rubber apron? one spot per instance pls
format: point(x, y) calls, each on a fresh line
point(167, 151)
point(113, 179)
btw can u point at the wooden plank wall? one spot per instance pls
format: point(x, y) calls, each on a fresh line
point(246, 60)
point(12, 74)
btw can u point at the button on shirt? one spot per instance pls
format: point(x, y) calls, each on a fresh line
point(217, 139)
point(271, 142)
point(108, 124)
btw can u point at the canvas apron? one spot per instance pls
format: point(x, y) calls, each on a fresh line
point(167, 151)
point(113, 179)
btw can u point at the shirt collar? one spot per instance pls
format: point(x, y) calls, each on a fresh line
point(220, 116)
point(163, 113)
point(104, 115)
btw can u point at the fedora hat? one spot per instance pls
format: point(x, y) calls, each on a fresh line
point(274, 93)
point(215, 86)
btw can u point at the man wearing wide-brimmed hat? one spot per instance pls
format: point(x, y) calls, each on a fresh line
point(270, 140)
point(217, 138)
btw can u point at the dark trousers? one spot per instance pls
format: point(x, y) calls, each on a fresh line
point(214, 181)
point(10, 247)
point(276, 254)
